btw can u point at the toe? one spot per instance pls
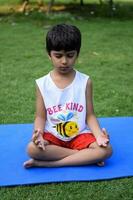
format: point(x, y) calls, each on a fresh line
point(29, 163)
point(101, 164)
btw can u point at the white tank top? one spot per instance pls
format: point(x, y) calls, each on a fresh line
point(65, 108)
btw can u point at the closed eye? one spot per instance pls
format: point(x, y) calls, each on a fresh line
point(58, 55)
point(70, 55)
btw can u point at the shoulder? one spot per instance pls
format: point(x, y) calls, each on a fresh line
point(86, 77)
point(41, 84)
point(89, 82)
point(42, 80)
point(89, 87)
point(82, 77)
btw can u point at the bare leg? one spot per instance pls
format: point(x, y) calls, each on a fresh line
point(51, 153)
point(91, 155)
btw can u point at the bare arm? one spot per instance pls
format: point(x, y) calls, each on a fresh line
point(90, 117)
point(100, 135)
point(40, 116)
point(39, 123)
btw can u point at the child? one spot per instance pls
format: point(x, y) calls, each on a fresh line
point(64, 109)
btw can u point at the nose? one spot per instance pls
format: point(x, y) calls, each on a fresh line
point(64, 60)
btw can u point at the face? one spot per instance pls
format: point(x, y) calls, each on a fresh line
point(63, 61)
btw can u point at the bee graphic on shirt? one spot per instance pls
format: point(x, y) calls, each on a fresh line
point(65, 127)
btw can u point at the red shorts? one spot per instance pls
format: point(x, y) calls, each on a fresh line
point(79, 142)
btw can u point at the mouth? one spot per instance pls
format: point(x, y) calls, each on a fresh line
point(64, 69)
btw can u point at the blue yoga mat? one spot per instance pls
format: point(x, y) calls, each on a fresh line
point(14, 139)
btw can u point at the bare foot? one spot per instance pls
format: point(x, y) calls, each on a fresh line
point(29, 163)
point(38, 163)
point(101, 164)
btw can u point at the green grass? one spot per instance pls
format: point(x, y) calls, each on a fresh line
point(106, 55)
point(101, 190)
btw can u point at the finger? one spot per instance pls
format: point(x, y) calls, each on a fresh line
point(99, 143)
point(42, 146)
point(104, 131)
point(104, 144)
point(36, 131)
point(107, 141)
point(106, 138)
point(35, 136)
point(37, 142)
point(45, 142)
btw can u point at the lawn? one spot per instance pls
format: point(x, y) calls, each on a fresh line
point(106, 55)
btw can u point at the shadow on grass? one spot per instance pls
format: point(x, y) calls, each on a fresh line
point(121, 11)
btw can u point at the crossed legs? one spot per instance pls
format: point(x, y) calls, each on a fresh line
point(56, 156)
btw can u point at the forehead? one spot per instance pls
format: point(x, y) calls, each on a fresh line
point(63, 52)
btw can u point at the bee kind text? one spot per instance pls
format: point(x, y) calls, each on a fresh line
point(68, 106)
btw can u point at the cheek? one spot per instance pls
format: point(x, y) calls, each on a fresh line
point(73, 60)
point(55, 61)
point(71, 63)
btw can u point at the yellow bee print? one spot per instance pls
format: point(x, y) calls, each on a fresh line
point(67, 129)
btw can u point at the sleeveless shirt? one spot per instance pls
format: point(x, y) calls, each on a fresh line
point(65, 108)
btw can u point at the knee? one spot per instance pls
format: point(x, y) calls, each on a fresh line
point(32, 150)
point(107, 152)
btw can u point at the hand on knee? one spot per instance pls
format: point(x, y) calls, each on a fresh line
point(33, 150)
point(38, 139)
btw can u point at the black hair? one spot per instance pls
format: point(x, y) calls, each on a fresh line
point(63, 37)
